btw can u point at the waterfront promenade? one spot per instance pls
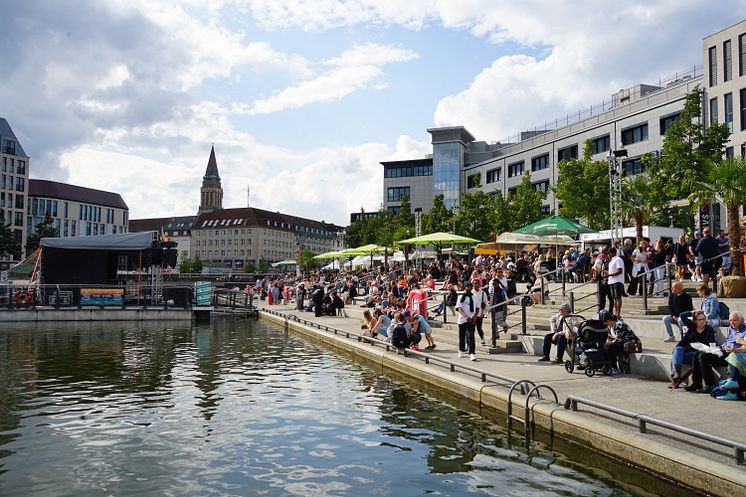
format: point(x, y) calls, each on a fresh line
point(697, 463)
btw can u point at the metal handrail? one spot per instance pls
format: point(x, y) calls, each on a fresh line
point(572, 402)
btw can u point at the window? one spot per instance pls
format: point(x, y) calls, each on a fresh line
point(728, 101)
point(632, 166)
point(545, 210)
point(66, 209)
point(515, 169)
point(19, 219)
point(473, 180)
point(405, 171)
point(634, 135)
point(667, 121)
point(713, 110)
point(493, 175)
point(395, 193)
point(729, 153)
point(21, 167)
point(741, 54)
point(19, 201)
point(743, 109)
point(727, 65)
point(512, 191)
point(541, 162)
point(567, 153)
point(5, 165)
point(713, 59)
point(601, 144)
point(21, 183)
point(542, 186)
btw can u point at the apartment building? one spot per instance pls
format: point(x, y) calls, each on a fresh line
point(14, 170)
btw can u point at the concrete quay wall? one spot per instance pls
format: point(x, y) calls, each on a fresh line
point(619, 440)
point(94, 314)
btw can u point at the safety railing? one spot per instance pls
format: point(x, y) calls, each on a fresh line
point(571, 403)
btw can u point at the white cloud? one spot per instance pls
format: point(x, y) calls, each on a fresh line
point(353, 70)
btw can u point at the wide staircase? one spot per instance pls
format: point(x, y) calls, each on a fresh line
point(646, 320)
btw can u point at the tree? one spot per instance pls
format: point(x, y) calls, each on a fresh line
point(638, 193)
point(502, 217)
point(306, 259)
point(687, 147)
point(263, 266)
point(405, 217)
point(197, 265)
point(45, 229)
point(725, 181)
point(185, 266)
point(476, 218)
point(438, 218)
point(525, 204)
point(10, 246)
point(583, 189)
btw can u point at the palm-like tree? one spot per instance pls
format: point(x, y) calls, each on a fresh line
point(725, 181)
point(637, 203)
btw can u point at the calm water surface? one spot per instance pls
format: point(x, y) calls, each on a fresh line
point(242, 409)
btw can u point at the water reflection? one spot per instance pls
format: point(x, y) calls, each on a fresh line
point(241, 408)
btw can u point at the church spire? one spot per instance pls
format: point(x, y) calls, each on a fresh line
point(211, 193)
point(212, 167)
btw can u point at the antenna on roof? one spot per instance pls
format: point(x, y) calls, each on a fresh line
point(248, 196)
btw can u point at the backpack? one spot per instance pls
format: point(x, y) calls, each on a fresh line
point(399, 337)
point(724, 311)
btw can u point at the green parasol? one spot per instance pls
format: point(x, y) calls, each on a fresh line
point(437, 239)
point(555, 225)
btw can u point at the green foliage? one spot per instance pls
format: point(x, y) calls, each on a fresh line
point(405, 217)
point(9, 245)
point(439, 218)
point(477, 216)
point(725, 180)
point(640, 199)
point(263, 266)
point(306, 259)
point(503, 217)
point(526, 203)
point(197, 265)
point(249, 268)
point(45, 229)
point(185, 266)
point(687, 148)
point(583, 189)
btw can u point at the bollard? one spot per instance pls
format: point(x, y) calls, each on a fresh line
point(572, 302)
point(644, 293)
point(445, 311)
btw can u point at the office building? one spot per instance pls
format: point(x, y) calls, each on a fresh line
point(14, 170)
point(634, 119)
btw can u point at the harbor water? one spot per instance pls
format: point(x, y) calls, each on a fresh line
point(245, 408)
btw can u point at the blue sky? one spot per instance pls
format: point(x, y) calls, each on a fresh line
point(304, 99)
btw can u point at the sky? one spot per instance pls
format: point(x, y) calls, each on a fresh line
point(303, 99)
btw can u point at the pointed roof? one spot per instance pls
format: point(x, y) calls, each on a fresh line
point(212, 167)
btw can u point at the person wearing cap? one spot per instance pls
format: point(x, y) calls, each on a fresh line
point(467, 311)
point(619, 334)
point(561, 331)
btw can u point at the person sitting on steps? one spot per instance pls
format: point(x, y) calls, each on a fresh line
point(561, 331)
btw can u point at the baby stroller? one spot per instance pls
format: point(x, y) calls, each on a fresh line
point(587, 351)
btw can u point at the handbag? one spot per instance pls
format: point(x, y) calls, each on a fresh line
point(633, 346)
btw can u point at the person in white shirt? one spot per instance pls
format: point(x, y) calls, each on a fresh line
point(615, 275)
point(481, 300)
point(467, 310)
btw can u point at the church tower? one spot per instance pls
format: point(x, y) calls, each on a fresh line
point(211, 193)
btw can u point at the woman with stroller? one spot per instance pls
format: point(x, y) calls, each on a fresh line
point(620, 334)
point(698, 330)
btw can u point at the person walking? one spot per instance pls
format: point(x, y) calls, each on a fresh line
point(466, 318)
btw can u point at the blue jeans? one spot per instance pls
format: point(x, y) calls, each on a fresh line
point(668, 323)
point(561, 344)
point(681, 356)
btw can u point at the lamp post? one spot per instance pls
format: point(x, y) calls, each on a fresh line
point(615, 193)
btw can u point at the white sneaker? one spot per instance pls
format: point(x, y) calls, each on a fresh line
point(484, 343)
point(461, 355)
point(669, 339)
point(472, 357)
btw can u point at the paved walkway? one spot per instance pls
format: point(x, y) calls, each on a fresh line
point(633, 393)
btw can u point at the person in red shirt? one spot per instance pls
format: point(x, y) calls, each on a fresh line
point(417, 300)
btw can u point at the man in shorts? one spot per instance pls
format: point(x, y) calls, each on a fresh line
point(615, 275)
